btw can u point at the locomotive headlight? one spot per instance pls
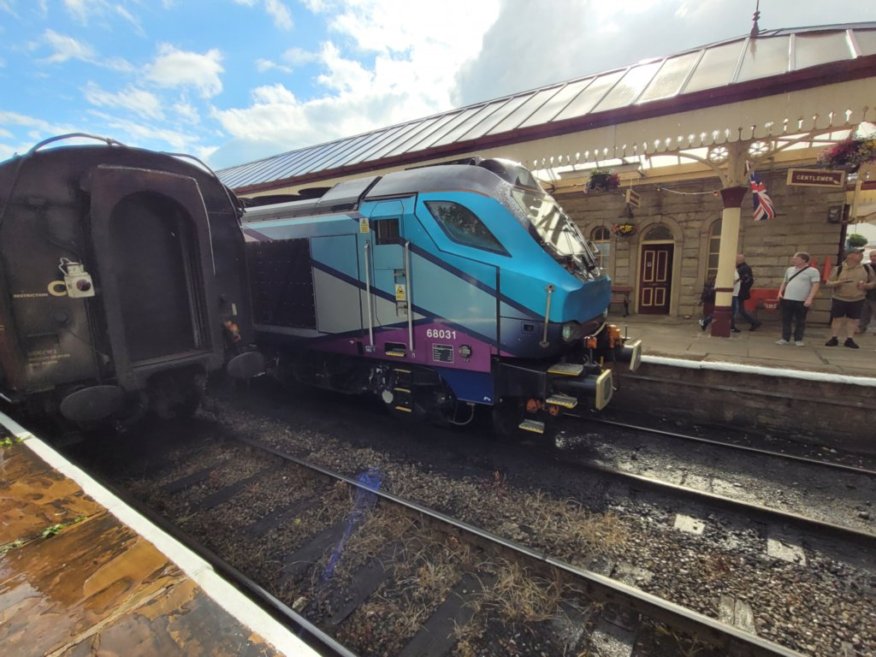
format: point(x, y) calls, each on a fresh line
point(464, 352)
point(572, 331)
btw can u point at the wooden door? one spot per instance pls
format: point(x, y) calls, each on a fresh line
point(655, 279)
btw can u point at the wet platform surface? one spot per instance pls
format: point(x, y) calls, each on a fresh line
point(684, 339)
point(75, 581)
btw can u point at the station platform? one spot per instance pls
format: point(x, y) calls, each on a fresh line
point(81, 573)
point(684, 339)
point(815, 395)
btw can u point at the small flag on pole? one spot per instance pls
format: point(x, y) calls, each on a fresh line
point(763, 204)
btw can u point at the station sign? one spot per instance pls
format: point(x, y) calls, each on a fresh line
point(633, 198)
point(817, 178)
point(868, 185)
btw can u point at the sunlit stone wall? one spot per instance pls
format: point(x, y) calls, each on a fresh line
point(690, 210)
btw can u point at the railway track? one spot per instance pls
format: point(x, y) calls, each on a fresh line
point(735, 446)
point(788, 499)
point(385, 575)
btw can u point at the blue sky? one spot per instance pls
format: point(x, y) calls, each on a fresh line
point(236, 80)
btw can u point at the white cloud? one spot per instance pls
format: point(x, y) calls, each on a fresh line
point(528, 47)
point(276, 9)
point(137, 133)
point(80, 9)
point(344, 75)
point(179, 68)
point(84, 10)
point(290, 59)
point(264, 65)
point(33, 128)
point(392, 61)
point(280, 13)
point(187, 112)
point(66, 48)
point(276, 116)
point(139, 101)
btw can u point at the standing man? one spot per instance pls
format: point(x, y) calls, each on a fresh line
point(796, 293)
point(849, 282)
point(868, 312)
point(743, 280)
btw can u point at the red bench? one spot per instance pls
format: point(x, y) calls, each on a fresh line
point(762, 297)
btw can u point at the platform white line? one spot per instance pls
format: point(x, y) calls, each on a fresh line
point(739, 368)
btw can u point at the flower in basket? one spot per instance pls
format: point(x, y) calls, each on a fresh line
point(624, 229)
point(849, 153)
point(602, 181)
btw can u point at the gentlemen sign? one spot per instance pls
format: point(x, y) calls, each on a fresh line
point(816, 178)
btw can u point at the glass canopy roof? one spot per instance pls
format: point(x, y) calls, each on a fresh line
point(721, 66)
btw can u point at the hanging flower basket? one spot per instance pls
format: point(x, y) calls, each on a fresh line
point(625, 229)
point(849, 154)
point(602, 181)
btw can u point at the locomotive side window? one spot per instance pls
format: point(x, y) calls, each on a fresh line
point(462, 226)
point(387, 231)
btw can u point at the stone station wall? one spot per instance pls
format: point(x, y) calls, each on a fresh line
point(801, 224)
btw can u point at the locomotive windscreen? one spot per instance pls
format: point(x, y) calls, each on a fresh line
point(282, 283)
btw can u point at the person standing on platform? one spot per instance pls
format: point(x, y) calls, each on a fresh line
point(849, 282)
point(743, 280)
point(796, 293)
point(868, 312)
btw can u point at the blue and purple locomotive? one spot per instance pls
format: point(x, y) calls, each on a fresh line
point(439, 289)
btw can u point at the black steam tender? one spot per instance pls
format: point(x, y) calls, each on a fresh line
point(122, 282)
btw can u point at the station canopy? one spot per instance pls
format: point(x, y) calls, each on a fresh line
point(779, 85)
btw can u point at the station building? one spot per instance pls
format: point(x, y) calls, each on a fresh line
point(674, 134)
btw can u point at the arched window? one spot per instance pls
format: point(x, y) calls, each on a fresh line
point(714, 248)
point(601, 238)
point(658, 233)
point(600, 234)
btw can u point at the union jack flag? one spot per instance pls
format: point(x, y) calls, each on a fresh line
point(763, 204)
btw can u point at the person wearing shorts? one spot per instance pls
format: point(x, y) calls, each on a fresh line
point(849, 282)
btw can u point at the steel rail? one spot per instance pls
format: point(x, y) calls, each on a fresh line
point(855, 537)
point(742, 448)
point(298, 624)
point(727, 637)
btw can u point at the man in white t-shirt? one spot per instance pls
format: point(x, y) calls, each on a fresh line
point(796, 294)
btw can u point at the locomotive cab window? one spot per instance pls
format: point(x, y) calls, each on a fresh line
point(463, 227)
point(387, 231)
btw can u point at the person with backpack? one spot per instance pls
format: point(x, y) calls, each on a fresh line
point(796, 294)
point(868, 312)
point(849, 282)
